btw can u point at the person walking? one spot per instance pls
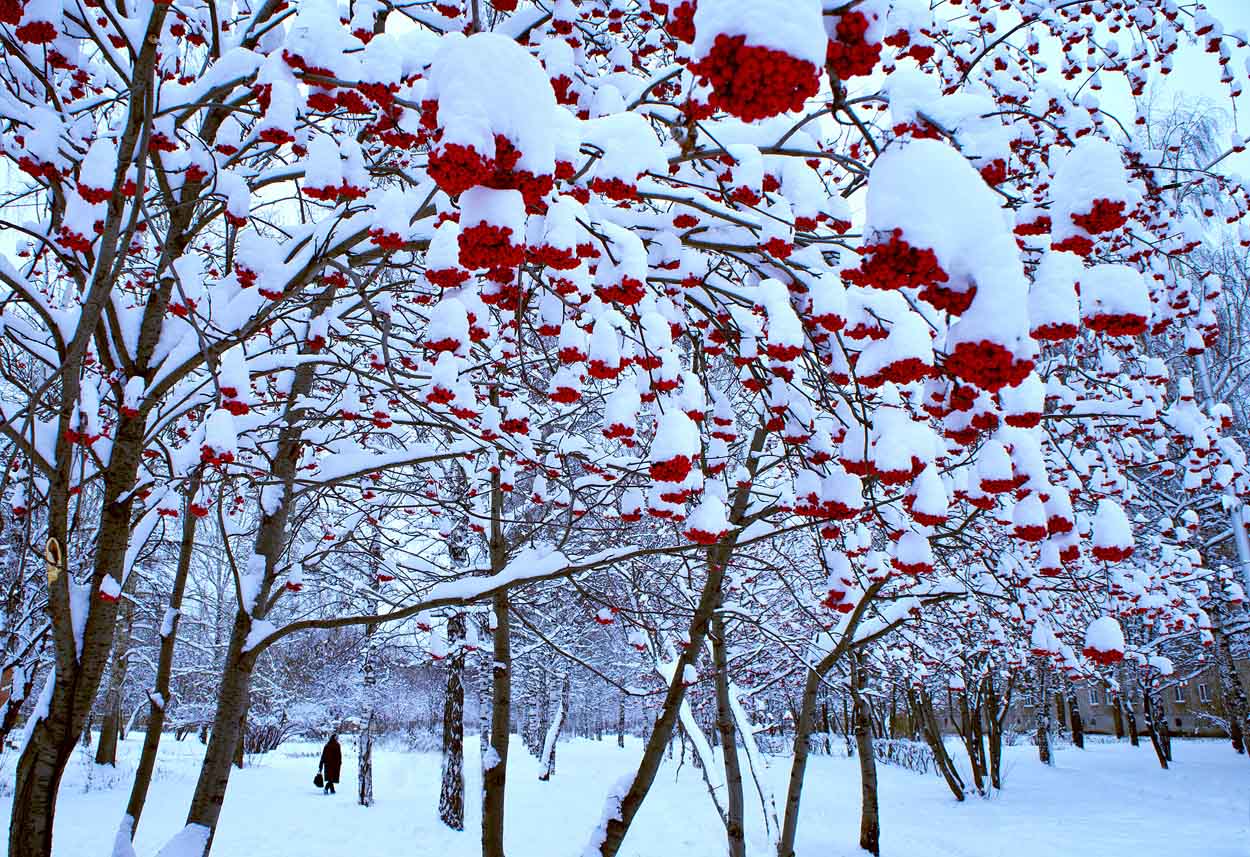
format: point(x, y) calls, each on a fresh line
point(331, 763)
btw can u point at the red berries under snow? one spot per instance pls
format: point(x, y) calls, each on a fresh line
point(1092, 195)
point(492, 228)
point(709, 522)
point(760, 57)
point(1104, 641)
point(850, 52)
point(674, 448)
point(1113, 535)
point(1115, 300)
point(494, 110)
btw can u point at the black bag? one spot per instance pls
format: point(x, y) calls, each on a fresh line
point(317, 781)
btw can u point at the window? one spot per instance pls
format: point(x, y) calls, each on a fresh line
point(1204, 693)
point(1178, 694)
point(1093, 696)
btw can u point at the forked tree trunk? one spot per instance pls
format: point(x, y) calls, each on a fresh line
point(625, 806)
point(996, 709)
point(804, 724)
point(869, 820)
point(735, 810)
point(111, 726)
point(158, 696)
point(81, 655)
point(233, 695)
point(970, 733)
point(451, 794)
point(923, 705)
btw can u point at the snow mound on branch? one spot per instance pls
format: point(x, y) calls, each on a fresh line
point(487, 84)
point(792, 26)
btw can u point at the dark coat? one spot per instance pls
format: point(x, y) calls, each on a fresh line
point(331, 760)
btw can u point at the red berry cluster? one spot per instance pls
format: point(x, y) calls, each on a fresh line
point(36, 33)
point(446, 278)
point(753, 82)
point(559, 258)
point(1078, 244)
point(951, 300)
point(850, 54)
point(1106, 658)
point(1104, 216)
point(455, 168)
point(1038, 226)
point(565, 395)
point(489, 246)
point(987, 365)
point(895, 264)
point(903, 371)
point(1117, 324)
point(674, 469)
point(627, 292)
point(614, 188)
point(680, 22)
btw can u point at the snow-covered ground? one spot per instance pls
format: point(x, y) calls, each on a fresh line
point(1107, 801)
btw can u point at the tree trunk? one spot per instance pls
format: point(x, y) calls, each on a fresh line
point(869, 821)
point(1043, 725)
point(1157, 737)
point(81, 653)
point(923, 705)
point(1128, 706)
point(617, 825)
point(483, 699)
point(996, 714)
point(1117, 716)
point(368, 682)
point(233, 696)
point(226, 735)
point(451, 795)
point(111, 726)
point(1074, 717)
point(552, 737)
point(735, 811)
point(970, 732)
point(495, 766)
point(158, 697)
point(620, 722)
point(1232, 693)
